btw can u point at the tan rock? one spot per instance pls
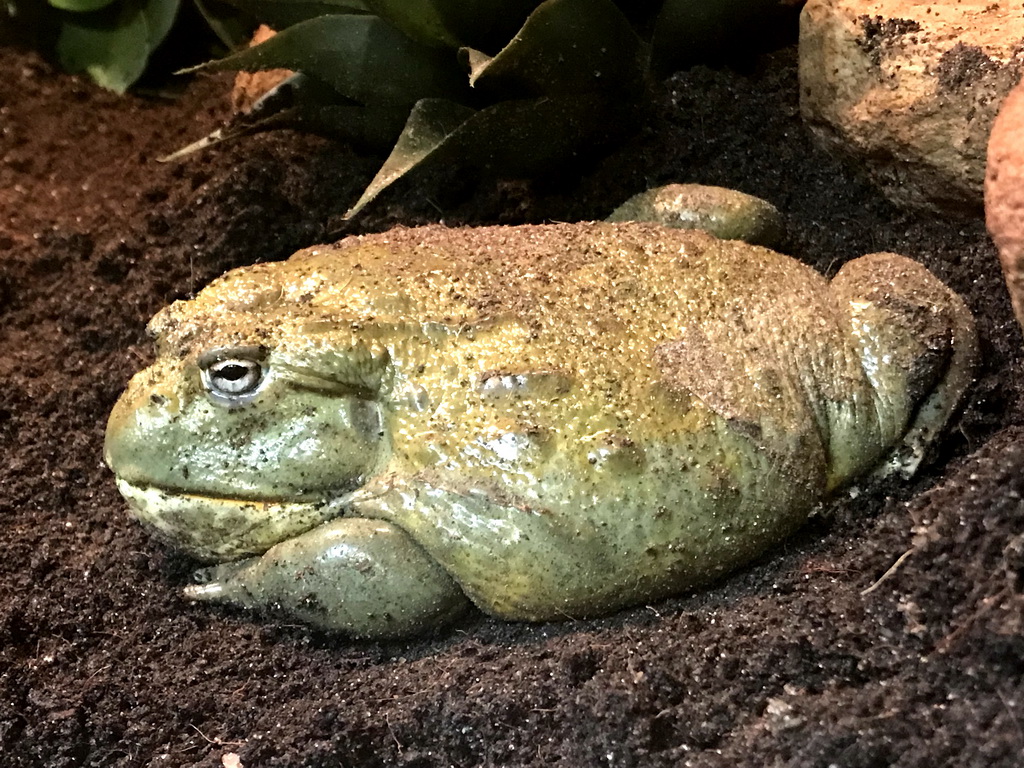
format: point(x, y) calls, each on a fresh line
point(1004, 194)
point(910, 89)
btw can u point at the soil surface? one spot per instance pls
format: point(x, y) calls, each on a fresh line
point(805, 659)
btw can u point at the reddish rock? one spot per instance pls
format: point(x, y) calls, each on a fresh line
point(1004, 193)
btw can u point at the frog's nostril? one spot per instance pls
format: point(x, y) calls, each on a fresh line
point(158, 400)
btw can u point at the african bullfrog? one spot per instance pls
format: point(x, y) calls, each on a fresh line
point(544, 421)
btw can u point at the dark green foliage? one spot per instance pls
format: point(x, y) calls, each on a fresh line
point(506, 86)
point(360, 56)
point(567, 78)
point(110, 40)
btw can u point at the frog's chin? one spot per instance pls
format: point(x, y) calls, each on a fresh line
point(216, 529)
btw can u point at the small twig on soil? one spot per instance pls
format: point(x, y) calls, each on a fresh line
point(99, 671)
point(217, 741)
point(1013, 717)
point(945, 645)
point(892, 569)
point(391, 730)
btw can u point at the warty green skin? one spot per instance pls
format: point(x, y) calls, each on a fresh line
point(551, 421)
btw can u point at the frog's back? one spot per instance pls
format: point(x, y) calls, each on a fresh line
point(593, 297)
point(687, 427)
point(639, 276)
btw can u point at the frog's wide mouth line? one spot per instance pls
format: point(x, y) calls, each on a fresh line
point(216, 529)
point(164, 493)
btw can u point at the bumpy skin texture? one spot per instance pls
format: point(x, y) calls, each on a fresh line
point(558, 420)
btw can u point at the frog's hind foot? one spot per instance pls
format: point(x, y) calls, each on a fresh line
point(918, 348)
point(364, 578)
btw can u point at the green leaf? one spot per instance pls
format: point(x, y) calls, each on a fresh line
point(113, 48)
point(430, 123)
point(522, 137)
point(418, 19)
point(566, 47)
point(371, 128)
point(80, 6)
point(231, 25)
point(304, 103)
point(280, 14)
point(361, 57)
point(159, 15)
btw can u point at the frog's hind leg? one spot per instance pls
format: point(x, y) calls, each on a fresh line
point(918, 348)
point(365, 578)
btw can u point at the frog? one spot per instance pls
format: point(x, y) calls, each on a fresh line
point(546, 422)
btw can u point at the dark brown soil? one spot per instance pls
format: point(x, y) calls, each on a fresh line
point(788, 663)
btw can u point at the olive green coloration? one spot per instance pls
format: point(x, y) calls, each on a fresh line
point(725, 213)
point(551, 421)
point(358, 576)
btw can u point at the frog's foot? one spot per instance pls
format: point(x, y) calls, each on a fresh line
point(918, 347)
point(724, 213)
point(364, 578)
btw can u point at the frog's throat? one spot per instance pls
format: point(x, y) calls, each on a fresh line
point(216, 529)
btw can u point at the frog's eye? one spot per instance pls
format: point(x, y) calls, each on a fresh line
point(232, 376)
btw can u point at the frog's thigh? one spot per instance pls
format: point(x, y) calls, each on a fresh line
point(365, 578)
point(918, 345)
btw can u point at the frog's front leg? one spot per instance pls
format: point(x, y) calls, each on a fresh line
point(365, 578)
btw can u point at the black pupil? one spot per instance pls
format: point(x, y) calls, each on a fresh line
point(233, 372)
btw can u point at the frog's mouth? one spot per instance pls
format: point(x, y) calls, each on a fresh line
point(217, 529)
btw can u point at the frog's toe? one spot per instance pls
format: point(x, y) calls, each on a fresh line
point(223, 583)
point(209, 592)
point(207, 588)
